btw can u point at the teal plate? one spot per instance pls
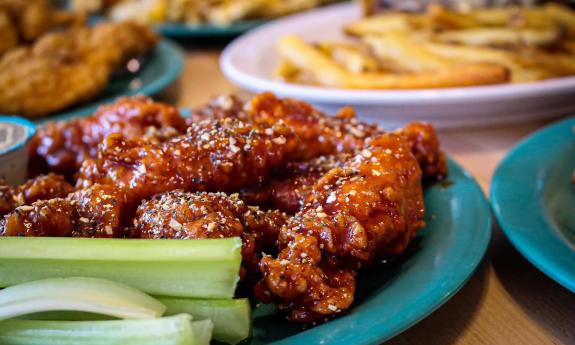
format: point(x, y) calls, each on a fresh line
point(534, 200)
point(207, 30)
point(160, 69)
point(392, 298)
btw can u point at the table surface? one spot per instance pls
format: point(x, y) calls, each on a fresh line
point(507, 301)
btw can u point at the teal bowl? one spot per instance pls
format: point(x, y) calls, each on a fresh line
point(533, 198)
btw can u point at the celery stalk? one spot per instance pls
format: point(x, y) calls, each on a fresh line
point(173, 330)
point(231, 318)
point(183, 268)
point(80, 294)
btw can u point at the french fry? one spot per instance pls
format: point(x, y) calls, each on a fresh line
point(380, 24)
point(329, 73)
point(504, 37)
point(562, 16)
point(404, 54)
point(352, 57)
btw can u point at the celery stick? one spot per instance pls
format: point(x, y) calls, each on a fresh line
point(231, 318)
point(80, 294)
point(173, 330)
point(184, 268)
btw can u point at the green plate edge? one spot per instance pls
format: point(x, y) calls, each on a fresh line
point(534, 200)
point(390, 301)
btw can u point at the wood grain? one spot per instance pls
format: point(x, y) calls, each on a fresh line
point(507, 301)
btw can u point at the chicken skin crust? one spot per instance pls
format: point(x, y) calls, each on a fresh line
point(186, 215)
point(61, 147)
point(224, 155)
point(42, 187)
point(371, 207)
point(98, 211)
point(65, 68)
point(322, 135)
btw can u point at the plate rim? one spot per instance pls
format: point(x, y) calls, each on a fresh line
point(377, 335)
point(370, 97)
point(523, 241)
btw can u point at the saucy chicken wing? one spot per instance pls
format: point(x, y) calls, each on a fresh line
point(186, 215)
point(42, 187)
point(98, 211)
point(224, 155)
point(62, 146)
point(369, 208)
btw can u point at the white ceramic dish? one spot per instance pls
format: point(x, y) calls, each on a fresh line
point(249, 61)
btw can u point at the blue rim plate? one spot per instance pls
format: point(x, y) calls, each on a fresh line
point(534, 200)
point(161, 68)
point(390, 300)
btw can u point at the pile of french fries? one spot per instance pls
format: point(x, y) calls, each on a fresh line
point(220, 12)
point(439, 48)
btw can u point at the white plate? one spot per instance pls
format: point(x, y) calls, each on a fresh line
point(249, 61)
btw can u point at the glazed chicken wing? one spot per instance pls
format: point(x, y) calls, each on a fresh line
point(98, 211)
point(62, 146)
point(185, 215)
point(321, 134)
point(369, 208)
point(39, 188)
point(224, 155)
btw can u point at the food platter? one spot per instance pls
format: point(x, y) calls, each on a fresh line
point(249, 62)
point(393, 299)
point(159, 70)
point(534, 200)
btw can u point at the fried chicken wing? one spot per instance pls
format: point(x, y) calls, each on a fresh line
point(322, 135)
point(216, 155)
point(369, 208)
point(291, 184)
point(62, 146)
point(98, 211)
point(185, 215)
point(33, 18)
point(67, 67)
point(39, 188)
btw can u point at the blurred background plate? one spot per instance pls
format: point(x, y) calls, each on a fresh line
point(249, 62)
point(159, 70)
point(392, 298)
point(533, 197)
point(207, 30)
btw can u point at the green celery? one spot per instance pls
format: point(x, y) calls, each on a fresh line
point(172, 330)
point(181, 268)
point(231, 317)
point(80, 294)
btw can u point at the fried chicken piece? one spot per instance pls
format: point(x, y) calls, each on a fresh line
point(8, 32)
point(62, 146)
point(98, 211)
point(39, 188)
point(185, 215)
point(219, 108)
point(426, 149)
point(370, 208)
point(65, 68)
point(224, 155)
point(321, 134)
point(33, 18)
point(292, 183)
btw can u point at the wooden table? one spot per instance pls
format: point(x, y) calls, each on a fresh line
point(507, 301)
